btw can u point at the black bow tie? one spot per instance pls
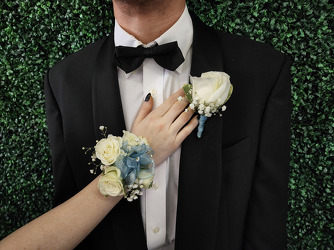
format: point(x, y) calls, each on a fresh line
point(168, 56)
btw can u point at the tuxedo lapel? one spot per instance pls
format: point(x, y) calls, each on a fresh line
point(125, 219)
point(107, 106)
point(200, 165)
point(207, 51)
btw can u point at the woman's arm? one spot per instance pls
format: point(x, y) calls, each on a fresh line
point(65, 226)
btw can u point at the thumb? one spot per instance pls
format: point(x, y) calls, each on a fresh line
point(145, 109)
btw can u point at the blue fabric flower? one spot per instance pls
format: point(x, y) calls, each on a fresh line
point(136, 159)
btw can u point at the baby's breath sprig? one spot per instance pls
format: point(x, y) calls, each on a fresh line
point(94, 163)
point(133, 191)
point(103, 130)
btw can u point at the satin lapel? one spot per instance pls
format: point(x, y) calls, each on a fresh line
point(200, 165)
point(107, 106)
point(125, 218)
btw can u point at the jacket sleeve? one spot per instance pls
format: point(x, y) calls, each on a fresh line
point(62, 175)
point(267, 208)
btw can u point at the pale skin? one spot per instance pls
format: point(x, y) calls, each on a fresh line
point(147, 20)
point(65, 226)
point(163, 127)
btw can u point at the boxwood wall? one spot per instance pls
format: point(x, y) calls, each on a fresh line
point(35, 34)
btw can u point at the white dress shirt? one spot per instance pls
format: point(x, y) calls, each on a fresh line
point(158, 205)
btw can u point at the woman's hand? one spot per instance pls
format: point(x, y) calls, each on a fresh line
point(166, 127)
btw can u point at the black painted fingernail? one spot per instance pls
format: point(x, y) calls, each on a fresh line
point(147, 98)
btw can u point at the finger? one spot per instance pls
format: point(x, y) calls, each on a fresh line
point(184, 132)
point(145, 109)
point(181, 120)
point(166, 105)
point(177, 108)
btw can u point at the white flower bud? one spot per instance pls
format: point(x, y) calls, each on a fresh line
point(192, 106)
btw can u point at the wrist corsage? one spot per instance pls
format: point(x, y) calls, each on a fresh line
point(126, 163)
point(207, 95)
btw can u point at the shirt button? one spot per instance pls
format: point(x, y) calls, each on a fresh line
point(153, 92)
point(156, 230)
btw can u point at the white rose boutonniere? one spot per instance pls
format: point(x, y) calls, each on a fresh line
point(208, 94)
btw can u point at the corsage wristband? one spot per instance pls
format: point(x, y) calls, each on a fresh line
point(126, 163)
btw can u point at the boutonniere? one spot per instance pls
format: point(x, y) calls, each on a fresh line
point(126, 163)
point(208, 94)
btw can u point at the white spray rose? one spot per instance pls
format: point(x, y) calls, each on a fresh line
point(146, 178)
point(132, 139)
point(212, 87)
point(108, 149)
point(110, 183)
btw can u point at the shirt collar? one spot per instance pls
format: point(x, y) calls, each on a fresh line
point(181, 31)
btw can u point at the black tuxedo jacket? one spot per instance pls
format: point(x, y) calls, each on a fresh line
point(233, 181)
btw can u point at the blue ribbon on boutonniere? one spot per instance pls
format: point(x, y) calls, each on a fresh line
point(207, 95)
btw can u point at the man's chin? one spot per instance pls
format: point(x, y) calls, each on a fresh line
point(141, 6)
point(140, 3)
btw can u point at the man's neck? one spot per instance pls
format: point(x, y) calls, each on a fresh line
point(147, 23)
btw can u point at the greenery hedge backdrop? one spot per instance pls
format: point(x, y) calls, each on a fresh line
point(37, 33)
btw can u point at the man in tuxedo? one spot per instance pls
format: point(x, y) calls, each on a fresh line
point(227, 190)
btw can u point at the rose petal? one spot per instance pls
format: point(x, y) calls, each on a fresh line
point(202, 87)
